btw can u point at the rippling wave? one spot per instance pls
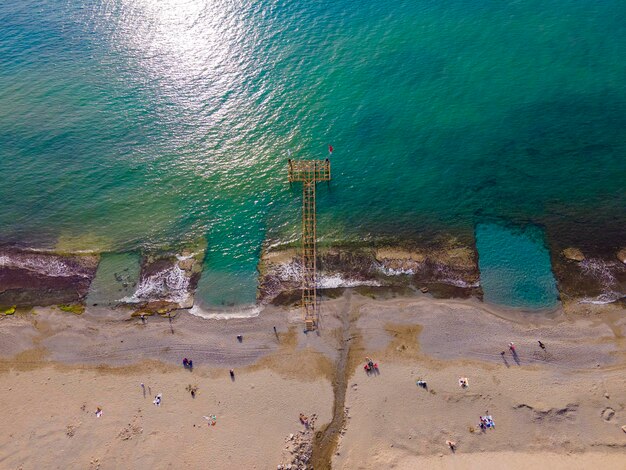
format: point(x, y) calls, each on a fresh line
point(139, 124)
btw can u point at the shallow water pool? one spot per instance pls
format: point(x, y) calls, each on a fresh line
point(515, 268)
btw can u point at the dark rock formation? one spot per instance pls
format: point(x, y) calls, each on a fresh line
point(31, 278)
point(445, 269)
point(168, 281)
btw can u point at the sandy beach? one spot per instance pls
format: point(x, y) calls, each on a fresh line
point(308, 235)
point(563, 406)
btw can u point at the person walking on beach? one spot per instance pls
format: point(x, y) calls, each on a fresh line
point(541, 345)
point(512, 347)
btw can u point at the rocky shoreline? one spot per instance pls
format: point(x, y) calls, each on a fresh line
point(443, 268)
point(446, 269)
point(32, 278)
point(584, 278)
point(167, 282)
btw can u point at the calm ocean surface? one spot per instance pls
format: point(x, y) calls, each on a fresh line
point(131, 124)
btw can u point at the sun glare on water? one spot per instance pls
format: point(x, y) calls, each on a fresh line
point(196, 58)
point(182, 40)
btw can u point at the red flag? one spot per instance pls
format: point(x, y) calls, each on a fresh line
point(330, 148)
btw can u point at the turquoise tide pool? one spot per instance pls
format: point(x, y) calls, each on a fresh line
point(515, 267)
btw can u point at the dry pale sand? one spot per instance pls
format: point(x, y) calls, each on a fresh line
point(561, 407)
point(509, 460)
point(59, 368)
point(392, 421)
point(48, 418)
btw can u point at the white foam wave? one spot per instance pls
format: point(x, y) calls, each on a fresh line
point(186, 257)
point(54, 251)
point(458, 283)
point(447, 275)
point(286, 242)
point(603, 299)
point(443, 275)
point(243, 311)
point(335, 281)
point(46, 265)
point(289, 271)
point(171, 284)
point(602, 271)
point(599, 269)
point(394, 272)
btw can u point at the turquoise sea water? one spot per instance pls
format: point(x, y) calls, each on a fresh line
point(515, 267)
point(130, 124)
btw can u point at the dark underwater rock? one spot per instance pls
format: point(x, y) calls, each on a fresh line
point(32, 278)
point(597, 279)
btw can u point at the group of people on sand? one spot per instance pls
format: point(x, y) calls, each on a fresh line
point(486, 422)
point(370, 366)
point(188, 364)
point(513, 350)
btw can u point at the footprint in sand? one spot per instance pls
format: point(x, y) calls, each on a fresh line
point(70, 430)
point(608, 414)
point(133, 429)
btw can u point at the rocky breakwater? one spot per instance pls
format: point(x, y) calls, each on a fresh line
point(36, 278)
point(587, 277)
point(167, 281)
point(444, 268)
